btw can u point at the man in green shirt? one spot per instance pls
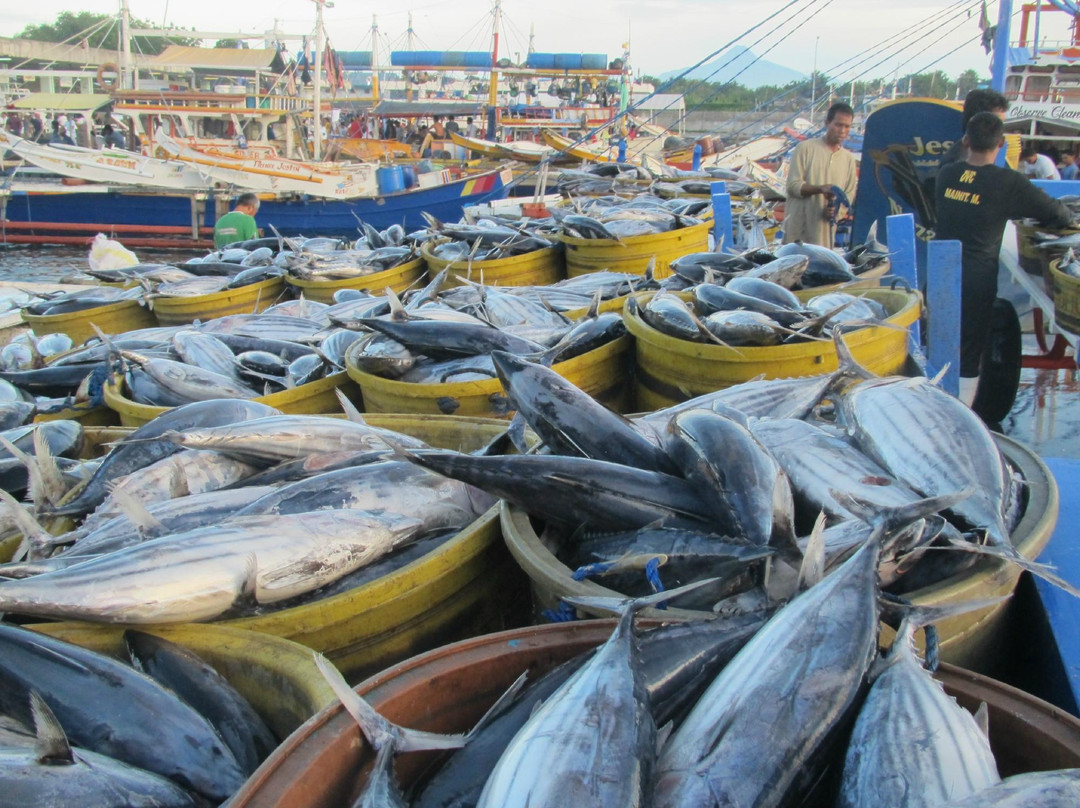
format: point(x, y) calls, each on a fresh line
point(240, 224)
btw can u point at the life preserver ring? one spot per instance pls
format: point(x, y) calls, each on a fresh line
point(111, 82)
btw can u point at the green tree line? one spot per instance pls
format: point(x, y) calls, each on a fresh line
point(99, 31)
point(795, 95)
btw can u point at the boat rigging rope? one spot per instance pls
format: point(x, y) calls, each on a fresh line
point(913, 33)
point(666, 85)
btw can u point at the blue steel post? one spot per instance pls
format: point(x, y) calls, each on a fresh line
point(1000, 63)
point(491, 124)
point(721, 204)
point(943, 301)
point(695, 161)
point(622, 151)
point(900, 237)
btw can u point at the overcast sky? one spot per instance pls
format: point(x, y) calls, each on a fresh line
point(860, 38)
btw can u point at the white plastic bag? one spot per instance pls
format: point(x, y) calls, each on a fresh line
point(105, 253)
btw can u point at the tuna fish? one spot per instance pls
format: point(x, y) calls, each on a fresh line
point(202, 573)
point(108, 708)
point(206, 690)
point(52, 773)
point(1058, 789)
point(912, 745)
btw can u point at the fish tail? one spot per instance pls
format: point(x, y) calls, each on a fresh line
point(379, 731)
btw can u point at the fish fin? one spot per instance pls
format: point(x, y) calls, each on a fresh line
point(622, 605)
point(1007, 552)
point(246, 598)
point(51, 745)
point(350, 410)
point(37, 539)
point(890, 518)
point(379, 731)
point(813, 565)
point(516, 433)
point(397, 310)
point(982, 719)
point(849, 365)
point(500, 706)
point(36, 485)
point(51, 479)
point(662, 735)
point(137, 513)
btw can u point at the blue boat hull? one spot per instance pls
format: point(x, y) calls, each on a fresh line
point(38, 214)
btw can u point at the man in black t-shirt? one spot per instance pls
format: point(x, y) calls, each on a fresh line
point(975, 198)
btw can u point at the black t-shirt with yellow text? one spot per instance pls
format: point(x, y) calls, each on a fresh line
point(974, 203)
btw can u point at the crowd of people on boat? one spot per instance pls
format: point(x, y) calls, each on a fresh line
point(67, 130)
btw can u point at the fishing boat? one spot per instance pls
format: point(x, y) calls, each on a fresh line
point(268, 173)
point(107, 165)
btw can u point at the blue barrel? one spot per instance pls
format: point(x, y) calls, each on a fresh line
point(408, 175)
point(477, 59)
point(541, 61)
point(593, 61)
point(568, 61)
point(355, 59)
point(390, 179)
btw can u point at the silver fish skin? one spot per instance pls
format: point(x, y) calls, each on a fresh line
point(186, 472)
point(591, 743)
point(396, 486)
point(1056, 789)
point(818, 464)
point(798, 677)
point(913, 746)
point(933, 443)
point(206, 351)
point(758, 398)
point(191, 383)
point(287, 437)
point(735, 475)
point(200, 574)
point(90, 780)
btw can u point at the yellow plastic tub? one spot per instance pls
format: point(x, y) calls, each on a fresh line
point(276, 676)
point(467, 586)
point(94, 416)
point(632, 254)
point(671, 370)
point(398, 278)
point(312, 398)
point(1027, 256)
point(115, 318)
point(1066, 291)
point(969, 640)
point(536, 268)
point(602, 373)
point(249, 299)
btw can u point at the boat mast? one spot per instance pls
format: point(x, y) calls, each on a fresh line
point(127, 81)
point(317, 100)
point(375, 58)
point(493, 89)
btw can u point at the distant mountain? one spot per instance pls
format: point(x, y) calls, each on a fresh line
point(742, 69)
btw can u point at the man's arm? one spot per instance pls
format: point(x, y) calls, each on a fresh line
point(1031, 202)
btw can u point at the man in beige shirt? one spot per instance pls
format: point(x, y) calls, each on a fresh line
point(816, 166)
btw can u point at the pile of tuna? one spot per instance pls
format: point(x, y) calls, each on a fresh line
point(614, 218)
point(225, 507)
point(237, 356)
point(170, 732)
point(628, 179)
point(449, 335)
point(770, 704)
